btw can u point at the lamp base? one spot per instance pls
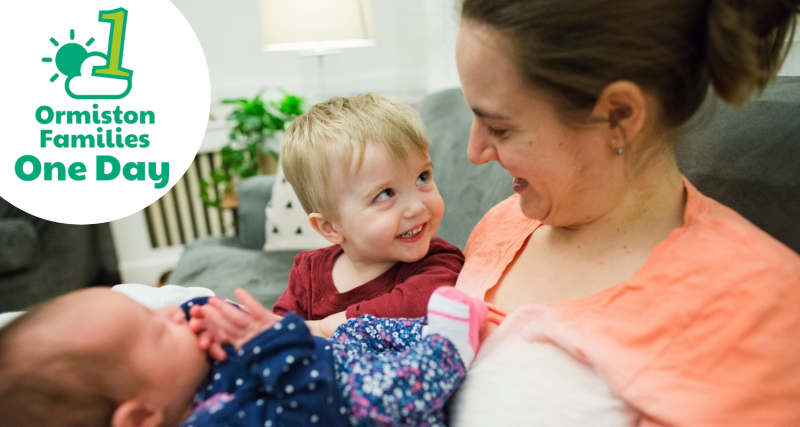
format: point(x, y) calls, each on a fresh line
point(320, 52)
point(322, 75)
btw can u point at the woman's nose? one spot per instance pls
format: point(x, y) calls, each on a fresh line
point(480, 150)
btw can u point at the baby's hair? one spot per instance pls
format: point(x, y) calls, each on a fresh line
point(336, 132)
point(46, 388)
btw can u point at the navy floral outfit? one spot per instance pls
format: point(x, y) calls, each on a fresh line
point(372, 372)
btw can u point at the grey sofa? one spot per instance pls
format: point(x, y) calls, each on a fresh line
point(40, 259)
point(748, 159)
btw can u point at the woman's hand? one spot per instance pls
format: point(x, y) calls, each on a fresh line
point(218, 323)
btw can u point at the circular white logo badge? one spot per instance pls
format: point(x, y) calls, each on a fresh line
point(104, 106)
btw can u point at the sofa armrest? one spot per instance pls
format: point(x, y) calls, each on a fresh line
point(19, 244)
point(254, 194)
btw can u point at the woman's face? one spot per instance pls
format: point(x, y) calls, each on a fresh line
point(565, 176)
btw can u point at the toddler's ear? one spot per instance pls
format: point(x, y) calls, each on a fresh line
point(136, 413)
point(325, 228)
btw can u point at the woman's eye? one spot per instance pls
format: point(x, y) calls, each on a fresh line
point(495, 132)
point(385, 195)
point(424, 178)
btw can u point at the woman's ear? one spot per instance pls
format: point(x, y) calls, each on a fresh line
point(325, 228)
point(624, 106)
point(136, 413)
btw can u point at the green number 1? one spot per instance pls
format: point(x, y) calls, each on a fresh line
point(116, 42)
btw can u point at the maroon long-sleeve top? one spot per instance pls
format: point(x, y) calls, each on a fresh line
point(401, 291)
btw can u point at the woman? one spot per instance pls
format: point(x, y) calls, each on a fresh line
point(629, 295)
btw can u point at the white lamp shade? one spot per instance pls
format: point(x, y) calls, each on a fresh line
point(316, 24)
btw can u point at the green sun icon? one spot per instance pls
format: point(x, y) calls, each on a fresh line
point(69, 57)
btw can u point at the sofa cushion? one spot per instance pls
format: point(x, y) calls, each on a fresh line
point(749, 158)
point(18, 245)
point(220, 264)
point(287, 223)
point(254, 193)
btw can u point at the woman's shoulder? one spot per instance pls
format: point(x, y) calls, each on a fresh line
point(718, 238)
point(718, 260)
point(724, 300)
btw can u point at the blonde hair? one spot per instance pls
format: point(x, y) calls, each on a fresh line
point(334, 133)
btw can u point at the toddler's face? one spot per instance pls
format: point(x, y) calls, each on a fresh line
point(390, 212)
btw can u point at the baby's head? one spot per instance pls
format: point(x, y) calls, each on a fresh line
point(361, 169)
point(97, 358)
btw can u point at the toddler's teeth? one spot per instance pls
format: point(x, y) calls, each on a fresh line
point(411, 233)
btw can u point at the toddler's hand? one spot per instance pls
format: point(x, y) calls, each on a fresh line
point(315, 328)
point(218, 323)
point(327, 326)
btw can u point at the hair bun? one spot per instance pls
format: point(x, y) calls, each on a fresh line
point(747, 42)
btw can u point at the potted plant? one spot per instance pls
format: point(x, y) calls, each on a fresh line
point(247, 153)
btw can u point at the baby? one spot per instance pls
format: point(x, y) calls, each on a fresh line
point(98, 358)
point(361, 170)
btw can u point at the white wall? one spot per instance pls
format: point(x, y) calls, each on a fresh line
point(230, 34)
point(791, 67)
point(443, 20)
point(415, 51)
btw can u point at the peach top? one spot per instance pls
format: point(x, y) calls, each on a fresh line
point(707, 333)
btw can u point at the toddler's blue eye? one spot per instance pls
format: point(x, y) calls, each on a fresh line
point(385, 195)
point(424, 178)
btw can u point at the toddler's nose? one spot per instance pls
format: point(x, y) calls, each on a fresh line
point(414, 208)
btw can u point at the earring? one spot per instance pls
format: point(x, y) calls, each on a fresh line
point(620, 151)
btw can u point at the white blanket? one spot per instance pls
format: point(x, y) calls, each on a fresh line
point(148, 296)
point(152, 297)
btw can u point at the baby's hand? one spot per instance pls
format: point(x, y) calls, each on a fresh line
point(218, 323)
point(209, 335)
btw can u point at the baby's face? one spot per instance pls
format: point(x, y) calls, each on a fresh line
point(168, 355)
point(162, 350)
point(390, 211)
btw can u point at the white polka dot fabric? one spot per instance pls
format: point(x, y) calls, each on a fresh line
point(262, 385)
point(287, 223)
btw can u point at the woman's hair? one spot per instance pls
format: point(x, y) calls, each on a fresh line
point(572, 49)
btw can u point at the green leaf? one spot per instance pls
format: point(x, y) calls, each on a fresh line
point(254, 120)
point(205, 195)
point(234, 101)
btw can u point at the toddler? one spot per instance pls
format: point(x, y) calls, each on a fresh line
point(98, 358)
point(361, 170)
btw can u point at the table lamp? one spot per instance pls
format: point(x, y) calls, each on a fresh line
point(316, 27)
